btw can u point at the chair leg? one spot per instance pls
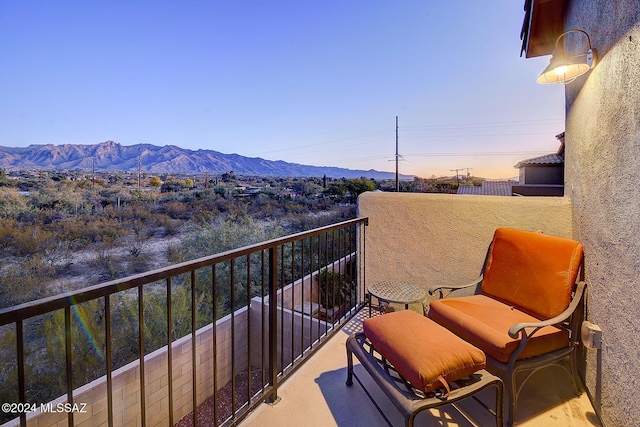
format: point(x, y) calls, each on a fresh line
point(510, 398)
point(575, 376)
point(349, 364)
point(500, 420)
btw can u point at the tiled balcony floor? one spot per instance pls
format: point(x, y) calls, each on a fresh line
point(316, 395)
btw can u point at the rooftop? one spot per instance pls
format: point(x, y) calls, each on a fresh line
point(489, 188)
point(548, 159)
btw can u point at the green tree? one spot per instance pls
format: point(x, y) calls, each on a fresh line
point(335, 189)
point(357, 186)
point(154, 181)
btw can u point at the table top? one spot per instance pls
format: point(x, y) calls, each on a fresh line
point(400, 292)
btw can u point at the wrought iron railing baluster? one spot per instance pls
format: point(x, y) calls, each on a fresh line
point(107, 342)
point(170, 348)
point(233, 338)
point(248, 329)
point(143, 406)
point(69, 360)
point(22, 395)
point(214, 356)
point(194, 357)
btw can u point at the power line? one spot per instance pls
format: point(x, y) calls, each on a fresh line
point(409, 155)
point(324, 143)
point(476, 135)
point(510, 123)
point(494, 153)
point(411, 129)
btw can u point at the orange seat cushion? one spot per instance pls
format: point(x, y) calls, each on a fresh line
point(485, 322)
point(423, 352)
point(533, 272)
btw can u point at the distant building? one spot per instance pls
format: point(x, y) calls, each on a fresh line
point(542, 176)
point(489, 188)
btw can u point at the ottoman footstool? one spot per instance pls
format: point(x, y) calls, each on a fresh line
point(419, 364)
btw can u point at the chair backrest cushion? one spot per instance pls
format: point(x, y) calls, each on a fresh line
point(533, 272)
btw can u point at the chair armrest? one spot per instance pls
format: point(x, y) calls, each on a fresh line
point(518, 328)
point(452, 288)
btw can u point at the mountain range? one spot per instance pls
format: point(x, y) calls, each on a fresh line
point(112, 156)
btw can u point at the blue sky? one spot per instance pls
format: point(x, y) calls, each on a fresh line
point(312, 82)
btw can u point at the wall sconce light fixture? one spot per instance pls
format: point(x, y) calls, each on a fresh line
point(563, 68)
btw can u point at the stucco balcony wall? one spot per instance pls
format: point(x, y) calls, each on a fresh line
point(437, 239)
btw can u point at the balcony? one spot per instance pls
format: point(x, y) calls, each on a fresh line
point(317, 396)
point(317, 280)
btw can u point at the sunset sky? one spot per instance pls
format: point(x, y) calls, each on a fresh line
point(311, 82)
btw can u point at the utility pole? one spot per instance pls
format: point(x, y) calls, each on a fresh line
point(93, 172)
point(139, 167)
point(397, 156)
point(457, 178)
point(468, 174)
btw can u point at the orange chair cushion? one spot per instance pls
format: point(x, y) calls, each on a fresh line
point(485, 322)
point(533, 272)
point(422, 351)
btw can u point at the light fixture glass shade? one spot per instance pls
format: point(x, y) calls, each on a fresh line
point(564, 71)
point(562, 68)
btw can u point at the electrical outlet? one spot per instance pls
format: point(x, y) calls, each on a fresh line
point(591, 335)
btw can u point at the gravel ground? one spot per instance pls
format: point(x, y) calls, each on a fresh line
point(205, 410)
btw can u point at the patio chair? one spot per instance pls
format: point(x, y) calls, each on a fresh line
point(526, 311)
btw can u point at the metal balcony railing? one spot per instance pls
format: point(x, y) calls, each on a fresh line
point(155, 346)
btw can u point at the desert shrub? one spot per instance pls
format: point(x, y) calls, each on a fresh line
point(227, 233)
point(176, 186)
point(12, 204)
point(175, 210)
point(106, 265)
point(170, 226)
point(139, 260)
point(24, 280)
point(100, 230)
point(31, 239)
point(174, 254)
point(8, 369)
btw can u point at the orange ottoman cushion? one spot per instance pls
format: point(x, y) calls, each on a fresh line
point(423, 352)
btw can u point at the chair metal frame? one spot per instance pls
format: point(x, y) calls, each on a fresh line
point(409, 401)
point(570, 319)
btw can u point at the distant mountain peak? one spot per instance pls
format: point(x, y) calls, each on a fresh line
point(110, 155)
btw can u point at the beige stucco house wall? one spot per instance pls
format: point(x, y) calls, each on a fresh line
point(420, 238)
point(437, 239)
point(603, 183)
